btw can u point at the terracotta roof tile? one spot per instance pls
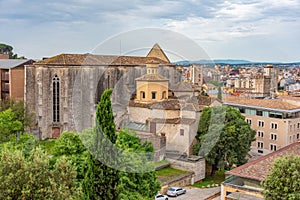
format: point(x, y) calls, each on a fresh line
point(259, 168)
point(90, 59)
point(263, 103)
point(172, 121)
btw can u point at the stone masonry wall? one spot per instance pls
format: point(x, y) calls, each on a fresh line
point(198, 167)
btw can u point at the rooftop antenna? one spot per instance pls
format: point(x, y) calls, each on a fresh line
point(120, 52)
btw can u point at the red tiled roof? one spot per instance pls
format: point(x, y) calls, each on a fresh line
point(259, 168)
point(90, 59)
point(172, 121)
point(263, 103)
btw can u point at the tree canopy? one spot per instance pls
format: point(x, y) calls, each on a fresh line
point(283, 181)
point(8, 125)
point(224, 138)
point(7, 49)
point(33, 178)
point(142, 184)
point(20, 110)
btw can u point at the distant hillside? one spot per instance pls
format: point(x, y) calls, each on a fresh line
point(227, 61)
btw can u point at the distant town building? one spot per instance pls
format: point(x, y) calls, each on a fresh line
point(258, 85)
point(12, 78)
point(276, 121)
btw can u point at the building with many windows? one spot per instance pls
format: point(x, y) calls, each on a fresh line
point(276, 121)
point(12, 78)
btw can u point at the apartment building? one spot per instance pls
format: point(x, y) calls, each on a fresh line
point(276, 121)
point(12, 78)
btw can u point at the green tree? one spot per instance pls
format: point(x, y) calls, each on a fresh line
point(143, 183)
point(224, 138)
point(71, 146)
point(25, 143)
point(215, 83)
point(20, 110)
point(283, 181)
point(8, 125)
point(220, 93)
point(32, 178)
point(7, 49)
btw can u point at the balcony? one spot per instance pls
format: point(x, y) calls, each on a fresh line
point(5, 76)
point(5, 87)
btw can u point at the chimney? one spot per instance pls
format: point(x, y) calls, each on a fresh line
point(4, 56)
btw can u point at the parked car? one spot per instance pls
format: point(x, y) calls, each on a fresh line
point(175, 191)
point(161, 197)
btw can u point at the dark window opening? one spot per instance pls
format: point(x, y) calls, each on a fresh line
point(259, 113)
point(56, 103)
point(143, 94)
point(242, 110)
point(153, 95)
point(182, 132)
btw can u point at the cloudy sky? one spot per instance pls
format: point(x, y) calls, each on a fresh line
point(256, 30)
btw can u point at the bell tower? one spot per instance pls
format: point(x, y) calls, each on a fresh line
point(151, 87)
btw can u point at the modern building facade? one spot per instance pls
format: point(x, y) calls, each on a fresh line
point(12, 78)
point(276, 121)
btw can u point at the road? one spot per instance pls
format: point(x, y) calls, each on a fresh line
point(197, 194)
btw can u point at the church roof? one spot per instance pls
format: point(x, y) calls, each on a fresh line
point(151, 77)
point(157, 52)
point(91, 59)
point(182, 87)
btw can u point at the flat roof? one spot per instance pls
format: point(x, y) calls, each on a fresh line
point(263, 104)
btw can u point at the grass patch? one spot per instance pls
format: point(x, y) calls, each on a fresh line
point(217, 178)
point(161, 163)
point(167, 174)
point(48, 145)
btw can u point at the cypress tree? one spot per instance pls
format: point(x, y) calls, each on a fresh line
point(219, 93)
point(105, 177)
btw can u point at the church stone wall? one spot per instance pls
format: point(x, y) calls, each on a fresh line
point(80, 91)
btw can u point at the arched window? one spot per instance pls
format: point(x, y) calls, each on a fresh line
point(56, 90)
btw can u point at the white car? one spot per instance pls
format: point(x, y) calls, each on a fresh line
point(175, 191)
point(161, 197)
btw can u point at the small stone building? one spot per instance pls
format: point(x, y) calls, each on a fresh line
point(159, 113)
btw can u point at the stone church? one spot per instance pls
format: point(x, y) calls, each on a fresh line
point(63, 90)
